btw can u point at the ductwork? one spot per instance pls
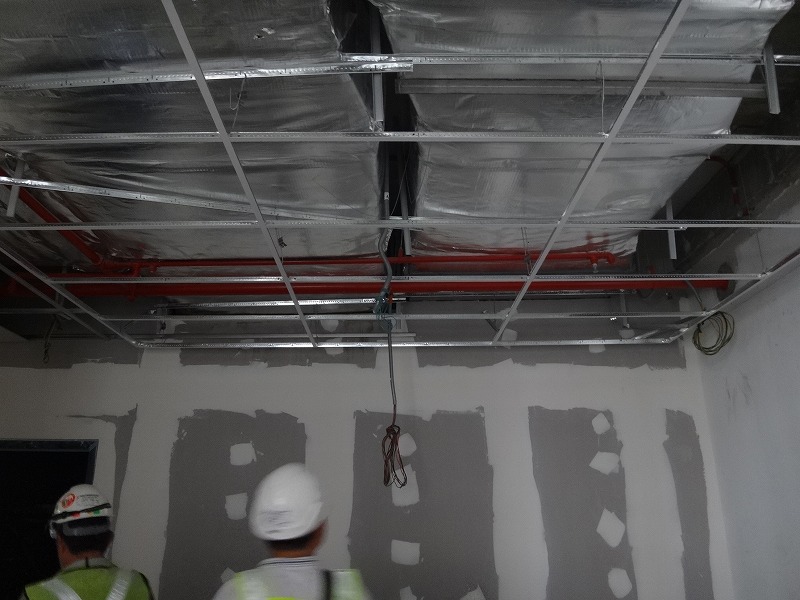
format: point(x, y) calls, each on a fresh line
point(318, 180)
point(102, 97)
point(536, 180)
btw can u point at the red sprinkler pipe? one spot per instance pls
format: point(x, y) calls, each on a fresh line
point(592, 257)
point(103, 264)
point(155, 265)
point(73, 238)
point(140, 288)
point(136, 266)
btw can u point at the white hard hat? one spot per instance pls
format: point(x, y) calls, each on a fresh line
point(81, 502)
point(287, 504)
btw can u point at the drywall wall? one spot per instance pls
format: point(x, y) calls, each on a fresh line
point(484, 410)
point(751, 388)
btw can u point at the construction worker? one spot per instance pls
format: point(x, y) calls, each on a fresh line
point(81, 527)
point(286, 512)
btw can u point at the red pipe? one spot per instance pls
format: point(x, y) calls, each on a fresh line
point(155, 265)
point(135, 266)
point(141, 288)
point(592, 257)
point(48, 217)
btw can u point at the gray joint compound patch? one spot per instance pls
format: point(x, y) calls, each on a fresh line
point(664, 356)
point(217, 461)
point(683, 450)
point(123, 434)
point(583, 504)
point(279, 357)
point(64, 354)
point(434, 536)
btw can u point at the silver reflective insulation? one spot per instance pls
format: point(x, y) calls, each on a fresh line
point(319, 180)
point(537, 180)
point(289, 179)
point(576, 26)
point(48, 36)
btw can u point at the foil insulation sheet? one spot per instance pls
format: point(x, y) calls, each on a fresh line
point(528, 180)
point(537, 180)
point(48, 36)
point(577, 26)
point(194, 180)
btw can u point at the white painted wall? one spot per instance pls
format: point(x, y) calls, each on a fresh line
point(752, 389)
point(36, 404)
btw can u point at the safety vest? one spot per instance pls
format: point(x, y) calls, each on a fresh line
point(93, 584)
point(346, 584)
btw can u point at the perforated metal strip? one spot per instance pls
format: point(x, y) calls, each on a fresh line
point(60, 589)
point(121, 584)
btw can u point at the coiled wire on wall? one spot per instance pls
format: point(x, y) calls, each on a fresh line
point(393, 470)
point(721, 322)
point(722, 325)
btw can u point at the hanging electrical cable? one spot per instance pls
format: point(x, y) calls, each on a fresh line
point(393, 470)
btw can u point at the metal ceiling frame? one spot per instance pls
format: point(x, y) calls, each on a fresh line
point(61, 291)
point(562, 58)
point(129, 225)
point(398, 279)
point(106, 192)
point(135, 75)
point(557, 87)
point(687, 319)
point(340, 137)
point(407, 224)
point(375, 65)
point(58, 308)
point(788, 263)
point(354, 64)
point(154, 344)
point(409, 317)
point(648, 338)
point(675, 17)
point(205, 92)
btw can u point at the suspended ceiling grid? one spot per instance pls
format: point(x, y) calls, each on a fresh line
point(275, 243)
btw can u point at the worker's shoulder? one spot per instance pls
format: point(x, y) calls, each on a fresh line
point(34, 591)
point(346, 573)
point(38, 590)
point(140, 586)
point(227, 590)
point(348, 584)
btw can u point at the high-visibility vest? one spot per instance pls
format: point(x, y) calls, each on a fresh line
point(95, 583)
point(346, 584)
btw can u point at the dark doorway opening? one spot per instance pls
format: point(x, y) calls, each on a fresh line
point(34, 474)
